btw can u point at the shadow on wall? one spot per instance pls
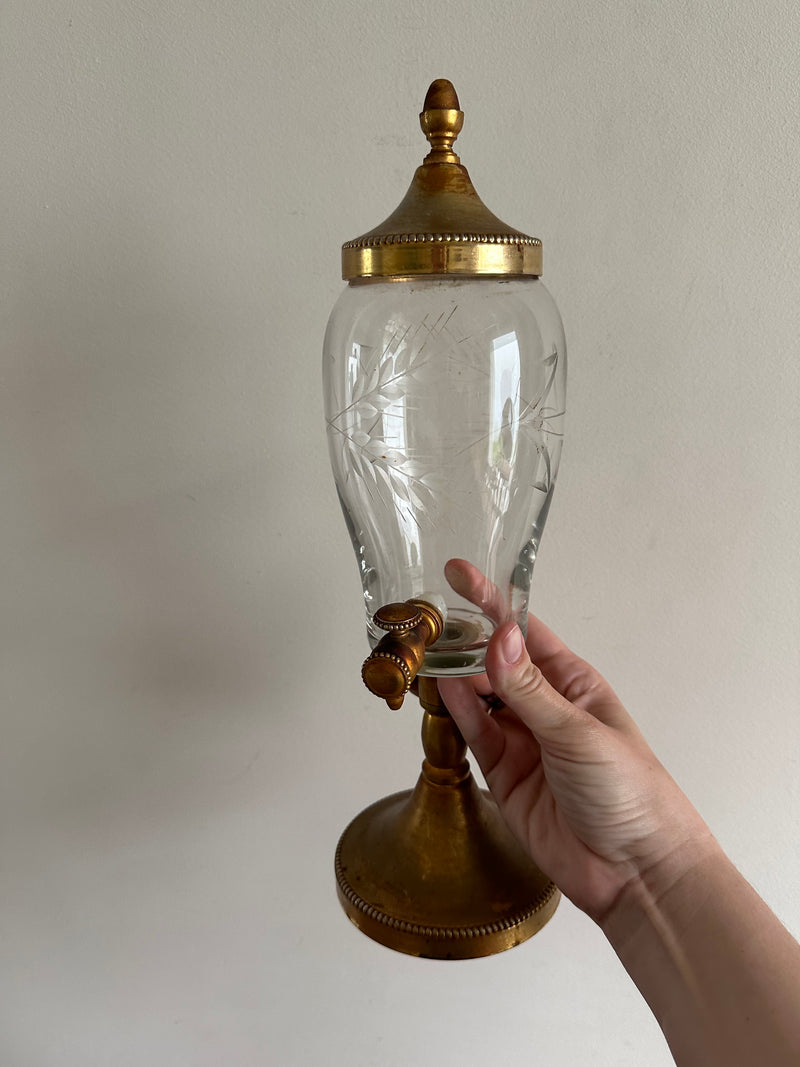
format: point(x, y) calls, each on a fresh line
point(140, 487)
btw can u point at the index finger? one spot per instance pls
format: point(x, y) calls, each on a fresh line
point(465, 579)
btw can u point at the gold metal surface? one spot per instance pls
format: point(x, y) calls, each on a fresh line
point(432, 620)
point(435, 871)
point(442, 226)
point(393, 664)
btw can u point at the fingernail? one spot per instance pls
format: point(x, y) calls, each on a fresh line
point(512, 645)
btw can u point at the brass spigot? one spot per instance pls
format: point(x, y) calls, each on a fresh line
point(392, 666)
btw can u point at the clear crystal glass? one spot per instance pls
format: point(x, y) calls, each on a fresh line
point(444, 400)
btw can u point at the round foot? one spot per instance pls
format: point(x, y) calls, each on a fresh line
point(436, 872)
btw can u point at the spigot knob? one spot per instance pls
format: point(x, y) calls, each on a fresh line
point(396, 618)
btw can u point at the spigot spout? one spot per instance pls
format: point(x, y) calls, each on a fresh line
point(393, 664)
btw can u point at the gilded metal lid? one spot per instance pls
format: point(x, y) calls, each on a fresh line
point(441, 226)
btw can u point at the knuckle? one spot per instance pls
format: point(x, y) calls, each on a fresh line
point(583, 683)
point(530, 681)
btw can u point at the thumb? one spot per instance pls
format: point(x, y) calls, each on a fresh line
point(522, 687)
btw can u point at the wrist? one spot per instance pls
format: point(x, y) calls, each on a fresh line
point(666, 892)
point(715, 965)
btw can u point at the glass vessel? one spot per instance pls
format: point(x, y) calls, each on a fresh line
point(444, 401)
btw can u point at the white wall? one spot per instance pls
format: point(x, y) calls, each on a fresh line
point(184, 729)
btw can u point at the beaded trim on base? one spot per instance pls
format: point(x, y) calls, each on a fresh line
point(440, 933)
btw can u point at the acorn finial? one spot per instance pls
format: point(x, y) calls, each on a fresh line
point(442, 96)
point(441, 121)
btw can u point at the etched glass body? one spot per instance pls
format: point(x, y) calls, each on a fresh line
point(444, 400)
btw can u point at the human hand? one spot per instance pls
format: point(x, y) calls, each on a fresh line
point(572, 774)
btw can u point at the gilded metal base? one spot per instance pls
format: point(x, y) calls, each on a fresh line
point(434, 871)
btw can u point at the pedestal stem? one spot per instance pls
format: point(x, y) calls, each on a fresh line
point(442, 743)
